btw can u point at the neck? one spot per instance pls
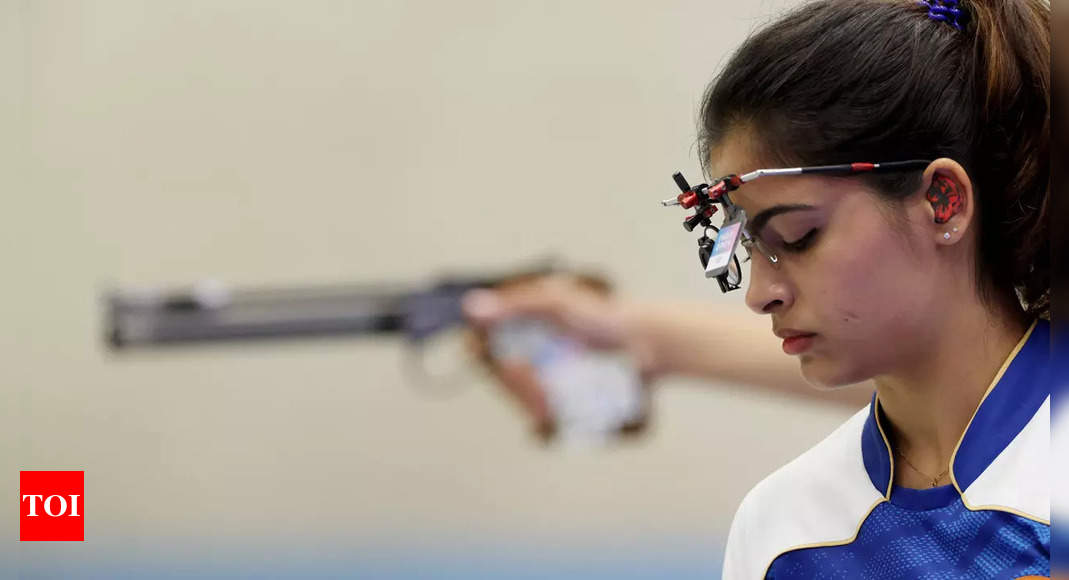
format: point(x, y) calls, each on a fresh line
point(929, 402)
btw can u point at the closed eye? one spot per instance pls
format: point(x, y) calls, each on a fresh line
point(802, 243)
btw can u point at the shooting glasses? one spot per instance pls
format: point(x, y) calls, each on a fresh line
point(719, 254)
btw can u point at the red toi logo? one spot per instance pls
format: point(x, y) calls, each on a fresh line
point(51, 506)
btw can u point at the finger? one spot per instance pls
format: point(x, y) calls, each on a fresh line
point(477, 344)
point(483, 306)
point(520, 380)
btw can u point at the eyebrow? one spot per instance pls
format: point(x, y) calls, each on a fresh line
point(761, 219)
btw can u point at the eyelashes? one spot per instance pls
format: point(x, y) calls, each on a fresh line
point(803, 243)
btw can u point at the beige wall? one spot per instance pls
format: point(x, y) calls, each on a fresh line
point(306, 142)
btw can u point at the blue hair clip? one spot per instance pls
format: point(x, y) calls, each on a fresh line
point(944, 11)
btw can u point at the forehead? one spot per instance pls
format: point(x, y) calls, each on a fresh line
point(736, 153)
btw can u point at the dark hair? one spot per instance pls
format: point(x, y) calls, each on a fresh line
point(839, 81)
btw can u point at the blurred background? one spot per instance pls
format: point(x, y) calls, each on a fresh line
point(270, 143)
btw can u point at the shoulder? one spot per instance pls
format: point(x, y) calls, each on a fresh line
point(819, 498)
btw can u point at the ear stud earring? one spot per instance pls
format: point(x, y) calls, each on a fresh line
point(946, 236)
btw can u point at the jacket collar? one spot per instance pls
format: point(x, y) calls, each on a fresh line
point(1014, 396)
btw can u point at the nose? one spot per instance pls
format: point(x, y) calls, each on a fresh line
point(768, 291)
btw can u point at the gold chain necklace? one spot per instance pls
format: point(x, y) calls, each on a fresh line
point(935, 480)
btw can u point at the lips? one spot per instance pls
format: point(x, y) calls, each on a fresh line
point(795, 341)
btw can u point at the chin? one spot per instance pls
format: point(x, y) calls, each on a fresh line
point(829, 375)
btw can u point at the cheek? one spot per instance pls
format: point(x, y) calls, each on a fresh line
point(870, 295)
point(858, 317)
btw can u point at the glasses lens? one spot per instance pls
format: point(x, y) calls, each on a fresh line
point(734, 273)
point(761, 250)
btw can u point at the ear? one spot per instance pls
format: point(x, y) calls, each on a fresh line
point(949, 200)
